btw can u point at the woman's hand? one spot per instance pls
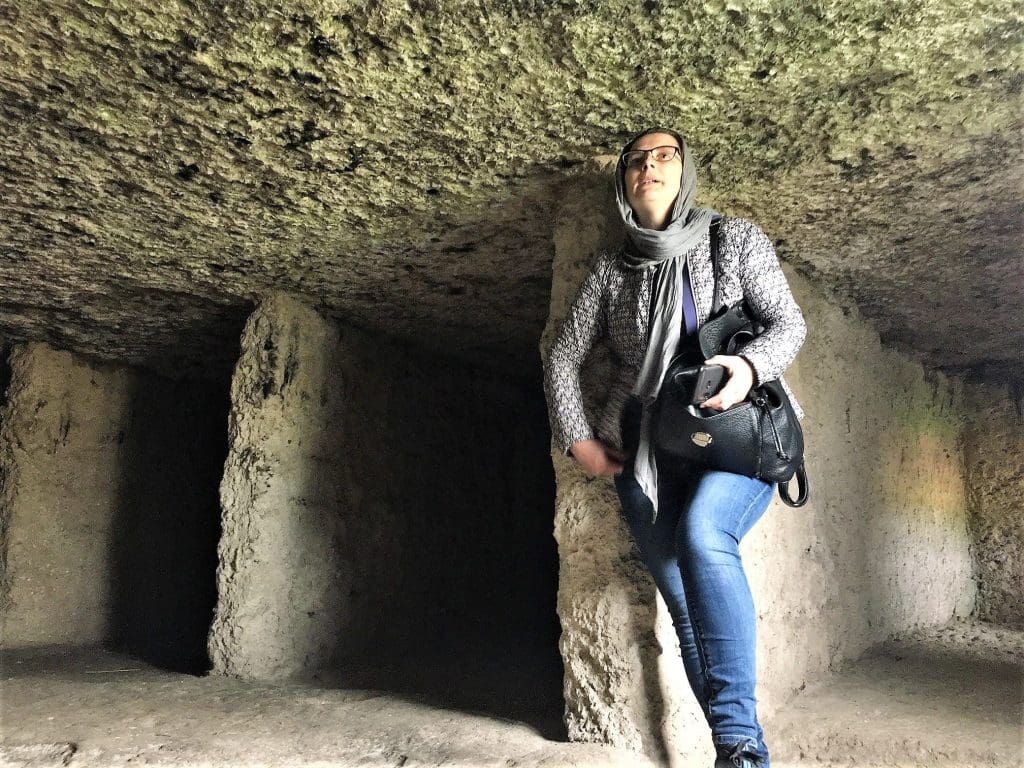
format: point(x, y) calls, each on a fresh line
point(598, 459)
point(741, 379)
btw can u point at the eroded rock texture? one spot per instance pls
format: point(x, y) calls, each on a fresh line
point(993, 445)
point(397, 163)
point(286, 571)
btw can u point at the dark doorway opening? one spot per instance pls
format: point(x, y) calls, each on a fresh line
point(167, 523)
point(5, 372)
point(469, 618)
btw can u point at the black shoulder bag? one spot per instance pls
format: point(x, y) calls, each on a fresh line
point(758, 437)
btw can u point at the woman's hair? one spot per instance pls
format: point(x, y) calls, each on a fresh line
point(675, 135)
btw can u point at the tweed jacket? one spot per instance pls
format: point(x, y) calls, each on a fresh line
point(613, 302)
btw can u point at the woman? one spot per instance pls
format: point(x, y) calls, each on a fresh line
point(687, 521)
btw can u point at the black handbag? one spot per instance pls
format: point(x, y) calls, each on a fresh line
point(758, 437)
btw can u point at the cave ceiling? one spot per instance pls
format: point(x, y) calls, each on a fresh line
point(400, 164)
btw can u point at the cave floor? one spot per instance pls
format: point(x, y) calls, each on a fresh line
point(951, 697)
point(948, 696)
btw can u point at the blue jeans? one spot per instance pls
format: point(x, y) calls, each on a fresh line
point(692, 552)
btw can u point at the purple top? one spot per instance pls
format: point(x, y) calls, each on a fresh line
point(689, 308)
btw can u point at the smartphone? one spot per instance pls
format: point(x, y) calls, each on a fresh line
point(709, 381)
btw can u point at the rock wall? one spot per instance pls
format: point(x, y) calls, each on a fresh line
point(185, 151)
point(108, 506)
point(882, 546)
point(377, 501)
point(993, 447)
point(285, 560)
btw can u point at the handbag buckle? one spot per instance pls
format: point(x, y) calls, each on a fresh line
point(701, 439)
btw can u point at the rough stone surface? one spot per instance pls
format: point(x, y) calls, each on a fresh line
point(882, 546)
point(108, 506)
point(949, 697)
point(993, 449)
point(111, 711)
point(285, 569)
point(377, 502)
point(59, 496)
point(396, 163)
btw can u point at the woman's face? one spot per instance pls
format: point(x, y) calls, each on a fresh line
point(652, 186)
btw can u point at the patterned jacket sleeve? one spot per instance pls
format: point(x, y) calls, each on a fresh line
point(768, 292)
point(584, 322)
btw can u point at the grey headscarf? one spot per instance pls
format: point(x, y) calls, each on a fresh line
point(665, 251)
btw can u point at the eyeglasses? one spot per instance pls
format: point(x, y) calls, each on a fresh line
point(634, 158)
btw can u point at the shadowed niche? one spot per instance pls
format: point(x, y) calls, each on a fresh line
point(167, 523)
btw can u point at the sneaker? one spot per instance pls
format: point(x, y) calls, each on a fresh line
point(738, 761)
point(738, 756)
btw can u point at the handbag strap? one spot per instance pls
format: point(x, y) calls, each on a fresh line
point(716, 303)
point(803, 488)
